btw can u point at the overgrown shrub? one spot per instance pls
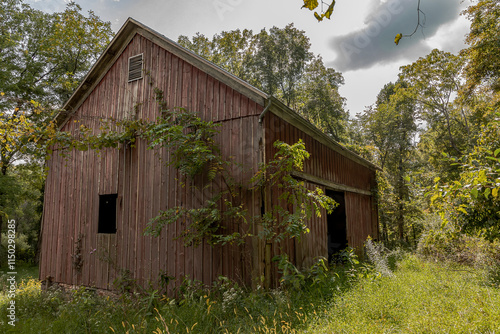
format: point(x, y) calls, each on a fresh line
point(472, 202)
point(24, 252)
point(449, 245)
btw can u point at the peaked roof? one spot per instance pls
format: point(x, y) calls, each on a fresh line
point(132, 27)
point(129, 29)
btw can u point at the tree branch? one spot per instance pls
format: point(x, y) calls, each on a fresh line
point(419, 24)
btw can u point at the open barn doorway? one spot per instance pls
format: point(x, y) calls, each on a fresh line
point(337, 226)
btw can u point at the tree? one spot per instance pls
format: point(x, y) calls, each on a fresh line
point(280, 63)
point(25, 205)
point(472, 202)
point(44, 57)
point(434, 82)
point(390, 126)
point(320, 101)
point(483, 54)
point(231, 50)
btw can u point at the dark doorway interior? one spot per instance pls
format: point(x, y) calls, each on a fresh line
point(107, 213)
point(337, 226)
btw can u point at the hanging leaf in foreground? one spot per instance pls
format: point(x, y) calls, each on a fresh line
point(310, 4)
point(313, 4)
point(398, 38)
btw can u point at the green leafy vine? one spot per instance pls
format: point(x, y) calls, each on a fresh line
point(195, 152)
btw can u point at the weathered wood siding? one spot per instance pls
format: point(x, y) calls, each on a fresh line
point(324, 162)
point(329, 165)
point(143, 182)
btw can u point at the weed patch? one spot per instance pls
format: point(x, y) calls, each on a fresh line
point(418, 296)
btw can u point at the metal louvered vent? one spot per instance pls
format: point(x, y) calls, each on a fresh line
point(135, 68)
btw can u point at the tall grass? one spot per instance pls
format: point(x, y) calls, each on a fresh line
point(225, 308)
point(421, 297)
point(414, 296)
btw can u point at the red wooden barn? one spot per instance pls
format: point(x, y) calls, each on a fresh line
point(130, 185)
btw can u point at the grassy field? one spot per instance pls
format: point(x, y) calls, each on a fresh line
point(417, 297)
point(421, 297)
point(24, 271)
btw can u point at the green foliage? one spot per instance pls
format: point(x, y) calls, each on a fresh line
point(279, 62)
point(297, 203)
point(44, 57)
point(124, 281)
point(9, 193)
point(24, 251)
point(286, 220)
point(483, 67)
point(201, 224)
point(80, 311)
point(224, 308)
point(232, 50)
point(390, 127)
point(320, 101)
point(433, 82)
point(451, 246)
point(193, 151)
point(420, 297)
point(473, 201)
point(190, 139)
point(25, 204)
point(291, 277)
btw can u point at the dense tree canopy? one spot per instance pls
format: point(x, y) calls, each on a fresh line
point(484, 45)
point(44, 57)
point(390, 126)
point(279, 62)
point(454, 158)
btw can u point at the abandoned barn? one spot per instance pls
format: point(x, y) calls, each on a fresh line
point(97, 204)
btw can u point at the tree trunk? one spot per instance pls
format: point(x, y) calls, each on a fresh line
point(400, 215)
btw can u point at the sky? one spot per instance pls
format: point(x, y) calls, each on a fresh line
point(358, 41)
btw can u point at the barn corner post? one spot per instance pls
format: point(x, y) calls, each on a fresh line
point(265, 255)
point(375, 201)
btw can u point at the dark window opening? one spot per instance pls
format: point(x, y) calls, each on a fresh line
point(135, 68)
point(337, 226)
point(107, 213)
